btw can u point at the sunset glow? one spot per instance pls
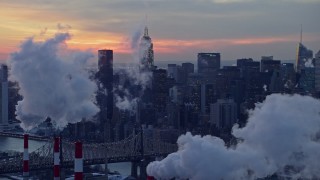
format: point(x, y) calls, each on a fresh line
point(94, 27)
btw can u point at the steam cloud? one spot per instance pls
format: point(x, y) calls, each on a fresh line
point(308, 63)
point(137, 77)
point(52, 82)
point(281, 137)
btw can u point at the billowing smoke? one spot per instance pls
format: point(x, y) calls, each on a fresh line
point(139, 48)
point(281, 137)
point(308, 63)
point(136, 73)
point(125, 100)
point(265, 88)
point(52, 82)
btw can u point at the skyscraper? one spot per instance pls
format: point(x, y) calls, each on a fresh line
point(288, 76)
point(268, 64)
point(188, 67)
point(207, 97)
point(146, 53)
point(303, 55)
point(184, 71)
point(208, 62)
point(4, 97)
point(173, 71)
point(250, 72)
point(105, 76)
point(307, 79)
point(160, 89)
point(193, 90)
point(317, 71)
point(223, 113)
point(242, 62)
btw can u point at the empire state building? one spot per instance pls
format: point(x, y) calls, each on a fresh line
point(146, 53)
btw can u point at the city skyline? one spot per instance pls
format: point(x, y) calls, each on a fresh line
point(215, 119)
point(234, 28)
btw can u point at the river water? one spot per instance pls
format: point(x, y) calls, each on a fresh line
point(16, 144)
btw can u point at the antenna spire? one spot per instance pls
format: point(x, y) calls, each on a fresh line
point(146, 33)
point(301, 34)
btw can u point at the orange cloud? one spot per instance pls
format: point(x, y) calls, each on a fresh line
point(94, 41)
point(179, 46)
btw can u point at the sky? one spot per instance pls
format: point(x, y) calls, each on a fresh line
point(179, 28)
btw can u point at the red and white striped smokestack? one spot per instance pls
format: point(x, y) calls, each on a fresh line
point(78, 162)
point(150, 178)
point(56, 159)
point(25, 156)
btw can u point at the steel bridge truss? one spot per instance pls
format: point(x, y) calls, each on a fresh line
point(129, 149)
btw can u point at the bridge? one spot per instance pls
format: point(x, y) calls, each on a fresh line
point(135, 148)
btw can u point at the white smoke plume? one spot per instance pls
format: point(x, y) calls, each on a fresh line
point(134, 70)
point(52, 82)
point(308, 63)
point(127, 101)
point(139, 48)
point(281, 137)
point(265, 88)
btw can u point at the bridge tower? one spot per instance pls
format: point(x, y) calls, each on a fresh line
point(142, 163)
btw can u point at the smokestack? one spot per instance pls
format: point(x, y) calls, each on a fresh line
point(25, 156)
point(78, 161)
point(56, 160)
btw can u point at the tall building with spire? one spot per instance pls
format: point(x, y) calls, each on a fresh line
point(146, 53)
point(303, 55)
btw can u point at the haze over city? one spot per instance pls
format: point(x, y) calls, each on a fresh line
point(180, 28)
